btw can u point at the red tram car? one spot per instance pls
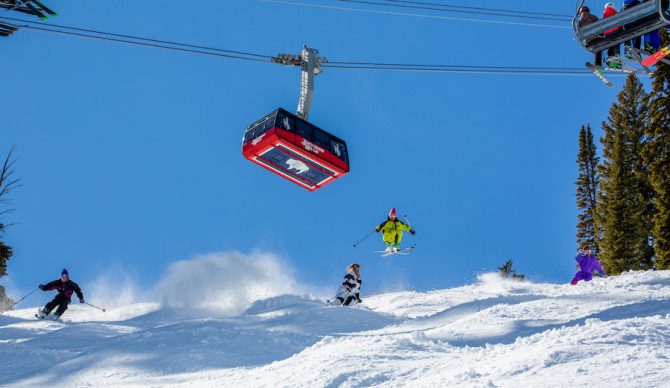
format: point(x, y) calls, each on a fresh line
point(296, 150)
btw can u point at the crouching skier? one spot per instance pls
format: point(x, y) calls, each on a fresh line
point(588, 263)
point(65, 288)
point(350, 290)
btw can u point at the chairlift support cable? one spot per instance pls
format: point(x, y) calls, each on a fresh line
point(474, 11)
point(441, 17)
point(307, 86)
point(475, 8)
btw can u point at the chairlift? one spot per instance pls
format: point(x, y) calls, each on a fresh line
point(648, 16)
point(290, 146)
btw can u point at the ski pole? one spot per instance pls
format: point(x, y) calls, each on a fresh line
point(103, 310)
point(20, 300)
point(406, 219)
point(366, 236)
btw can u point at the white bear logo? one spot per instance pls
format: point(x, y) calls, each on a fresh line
point(297, 165)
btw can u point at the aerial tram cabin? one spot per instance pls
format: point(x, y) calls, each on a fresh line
point(636, 21)
point(296, 150)
point(291, 147)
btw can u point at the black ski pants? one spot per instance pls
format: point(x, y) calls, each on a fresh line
point(350, 298)
point(61, 301)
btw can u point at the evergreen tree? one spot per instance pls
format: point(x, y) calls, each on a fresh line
point(587, 184)
point(657, 157)
point(506, 271)
point(623, 211)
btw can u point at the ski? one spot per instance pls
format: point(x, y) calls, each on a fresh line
point(7, 30)
point(35, 11)
point(406, 251)
point(44, 7)
point(48, 317)
point(657, 56)
point(617, 64)
point(636, 56)
point(646, 53)
point(598, 72)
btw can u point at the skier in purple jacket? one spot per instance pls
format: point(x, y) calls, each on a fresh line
point(587, 264)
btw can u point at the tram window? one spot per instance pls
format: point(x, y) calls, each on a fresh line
point(248, 135)
point(269, 124)
point(304, 130)
point(338, 149)
point(286, 123)
point(322, 139)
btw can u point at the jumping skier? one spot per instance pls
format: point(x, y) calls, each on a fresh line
point(588, 263)
point(350, 290)
point(65, 288)
point(392, 228)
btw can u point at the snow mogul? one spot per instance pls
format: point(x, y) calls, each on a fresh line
point(393, 228)
point(350, 290)
point(65, 288)
point(588, 263)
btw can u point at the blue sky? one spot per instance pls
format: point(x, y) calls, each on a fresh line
point(130, 157)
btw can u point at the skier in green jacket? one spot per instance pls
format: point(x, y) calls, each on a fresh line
point(392, 229)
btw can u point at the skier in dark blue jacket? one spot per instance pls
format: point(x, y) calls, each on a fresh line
point(65, 288)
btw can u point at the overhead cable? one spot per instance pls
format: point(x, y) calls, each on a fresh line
point(418, 15)
point(249, 56)
point(465, 10)
point(475, 8)
point(164, 44)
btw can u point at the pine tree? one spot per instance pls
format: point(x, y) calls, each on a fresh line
point(506, 271)
point(587, 184)
point(657, 157)
point(623, 212)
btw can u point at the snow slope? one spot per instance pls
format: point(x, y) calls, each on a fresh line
point(612, 332)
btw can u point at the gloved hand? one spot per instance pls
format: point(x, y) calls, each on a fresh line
point(412, 231)
point(377, 229)
point(81, 300)
point(42, 287)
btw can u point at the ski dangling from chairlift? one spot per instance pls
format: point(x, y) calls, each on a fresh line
point(290, 146)
point(30, 7)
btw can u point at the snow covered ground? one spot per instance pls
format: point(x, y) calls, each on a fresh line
point(612, 332)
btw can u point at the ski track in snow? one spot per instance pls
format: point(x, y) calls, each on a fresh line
point(612, 332)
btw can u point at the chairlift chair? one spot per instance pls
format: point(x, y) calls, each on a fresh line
point(648, 16)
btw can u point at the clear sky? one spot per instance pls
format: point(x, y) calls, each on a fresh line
point(130, 157)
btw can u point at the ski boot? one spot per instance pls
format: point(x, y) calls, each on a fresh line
point(41, 314)
point(56, 318)
point(388, 249)
point(613, 64)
